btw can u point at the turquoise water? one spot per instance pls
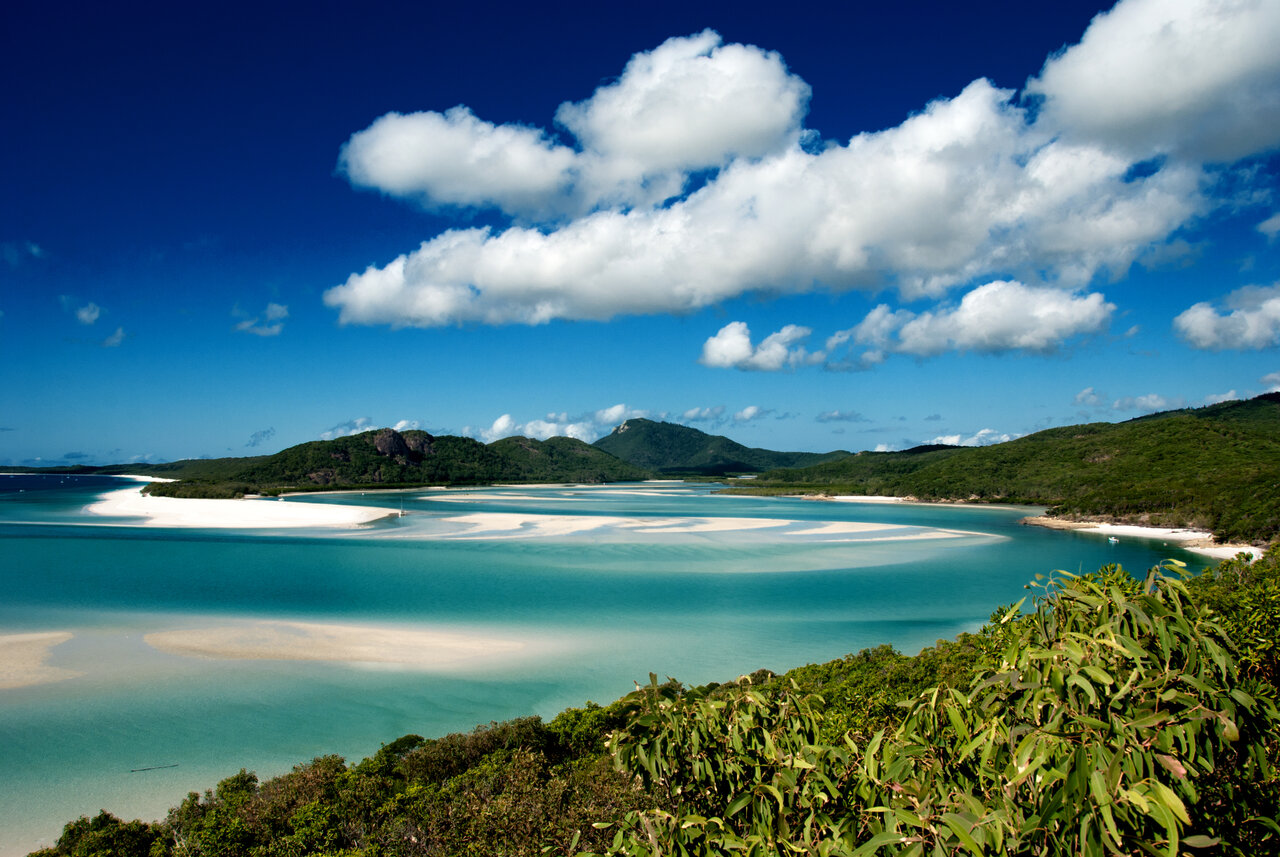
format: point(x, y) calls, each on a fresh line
point(593, 610)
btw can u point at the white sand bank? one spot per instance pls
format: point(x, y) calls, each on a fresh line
point(238, 514)
point(24, 659)
point(308, 641)
point(1196, 541)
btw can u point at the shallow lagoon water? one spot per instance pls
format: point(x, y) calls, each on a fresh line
point(594, 609)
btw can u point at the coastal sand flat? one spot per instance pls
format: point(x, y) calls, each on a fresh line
point(237, 514)
point(24, 659)
point(310, 641)
point(1198, 541)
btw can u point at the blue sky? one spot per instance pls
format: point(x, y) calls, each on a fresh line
point(233, 228)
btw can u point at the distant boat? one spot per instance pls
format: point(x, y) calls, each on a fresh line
point(1113, 540)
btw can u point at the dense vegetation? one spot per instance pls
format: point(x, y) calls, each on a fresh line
point(1113, 717)
point(675, 450)
point(1215, 468)
point(391, 459)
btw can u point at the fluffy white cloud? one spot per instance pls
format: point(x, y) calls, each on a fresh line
point(1251, 321)
point(406, 425)
point(1089, 398)
point(1271, 382)
point(1219, 398)
point(114, 339)
point(1187, 77)
point(972, 186)
point(731, 348)
point(454, 158)
point(998, 316)
point(984, 437)
point(751, 413)
point(585, 427)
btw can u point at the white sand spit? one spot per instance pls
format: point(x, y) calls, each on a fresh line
point(238, 514)
point(308, 641)
point(24, 659)
point(1196, 541)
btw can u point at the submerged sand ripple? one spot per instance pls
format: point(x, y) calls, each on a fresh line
point(23, 659)
point(310, 641)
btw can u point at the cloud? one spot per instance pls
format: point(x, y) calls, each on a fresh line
point(1251, 321)
point(586, 427)
point(969, 188)
point(1090, 398)
point(690, 104)
point(1270, 227)
point(751, 413)
point(1271, 382)
point(15, 253)
point(114, 339)
point(350, 427)
point(1219, 398)
point(731, 348)
point(841, 416)
point(88, 313)
point(258, 437)
point(1191, 78)
point(933, 418)
point(996, 317)
point(406, 425)
point(984, 437)
point(704, 415)
point(267, 323)
point(1147, 404)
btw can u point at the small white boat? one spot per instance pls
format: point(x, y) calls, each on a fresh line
point(1113, 540)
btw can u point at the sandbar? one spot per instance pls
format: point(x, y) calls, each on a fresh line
point(368, 644)
point(237, 514)
point(24, 659)
point(1196, 541)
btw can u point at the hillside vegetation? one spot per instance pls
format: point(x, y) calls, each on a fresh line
point(676, 450)
point(1215, 468)
point(1114, 717)
point(388, 459)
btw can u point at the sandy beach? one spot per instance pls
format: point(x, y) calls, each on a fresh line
point(238, 514)
point(24, 659)
point(1196, 541)
point(369, 644)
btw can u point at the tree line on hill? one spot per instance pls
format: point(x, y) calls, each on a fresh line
point(1112, 716)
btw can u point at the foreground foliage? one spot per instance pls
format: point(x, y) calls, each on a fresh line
point(1115, 717)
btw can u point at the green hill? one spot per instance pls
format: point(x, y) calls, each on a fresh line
point(388, 459)
point(672, 449)
point(1214, 468)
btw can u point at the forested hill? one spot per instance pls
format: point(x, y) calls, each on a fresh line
point(1214, 468)
point(387, 458)
point(672, 449)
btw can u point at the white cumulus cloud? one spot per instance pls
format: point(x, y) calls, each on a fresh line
point(731, 348)
point(1250, 320)
point(1196, 78)
point(586, 427)
point(1271, 382)
point(971, 187)
point(1270, 227)
point(995, 317)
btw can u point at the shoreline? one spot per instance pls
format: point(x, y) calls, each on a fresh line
point(24, 659)
point(1196, 541)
